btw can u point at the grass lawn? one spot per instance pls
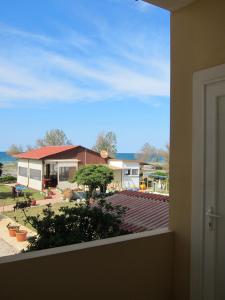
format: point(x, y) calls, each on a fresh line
point(19, 217)
point(6, 195)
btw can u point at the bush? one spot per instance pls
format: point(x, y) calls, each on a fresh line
point(94, 176)
point(22, 204)
point(8, 179)
point(81, 223)
point(160, 173)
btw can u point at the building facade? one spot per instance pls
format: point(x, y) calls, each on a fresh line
point(54, 166)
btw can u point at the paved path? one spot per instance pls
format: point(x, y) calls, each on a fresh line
point(55, 199)
point(6, 249)
point(11, 241)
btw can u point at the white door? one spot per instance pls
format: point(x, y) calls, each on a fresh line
point(208, 222)
point(214, 223)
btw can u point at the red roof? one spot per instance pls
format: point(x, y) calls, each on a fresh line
point(145, 211)
point(146, 195)
point(44, 152)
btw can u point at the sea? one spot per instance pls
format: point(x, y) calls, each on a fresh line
point(5, 158)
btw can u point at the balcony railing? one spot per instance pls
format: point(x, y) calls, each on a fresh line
point(137, 266)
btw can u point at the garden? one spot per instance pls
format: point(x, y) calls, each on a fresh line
point(6, 196)
point(19, 214)
point(73, 222)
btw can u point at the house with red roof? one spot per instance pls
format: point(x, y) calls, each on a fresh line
point(54, 165)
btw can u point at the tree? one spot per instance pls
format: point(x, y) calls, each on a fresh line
point(53, 137)
point(106, 141)
point(29, 148)
point(14, 149)
point(77, 224)
point(94, 176)
point(148, 153)
point(165, 153)
point(1, 169)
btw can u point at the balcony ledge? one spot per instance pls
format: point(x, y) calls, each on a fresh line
point(84, 246)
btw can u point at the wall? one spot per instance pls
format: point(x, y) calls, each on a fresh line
point(131, 181)
point(117, 178)
point(83, 154)
point(26, 181)
point(116, 163)
point(21, 179)
point(128, 181)
point(197, 42)
point(137, 267)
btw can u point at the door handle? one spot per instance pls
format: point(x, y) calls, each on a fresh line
point(212, 216)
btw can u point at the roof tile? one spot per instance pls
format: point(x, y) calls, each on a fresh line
point(146, 211)
point(44, 152)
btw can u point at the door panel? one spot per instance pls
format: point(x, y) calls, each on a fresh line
point(220, 226)
point(214, 194)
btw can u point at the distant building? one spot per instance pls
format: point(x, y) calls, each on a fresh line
point(53, 165)
point(126, 173)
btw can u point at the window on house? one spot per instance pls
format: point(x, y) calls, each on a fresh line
point(35, 174)
point(23, 171)
point(127, 172)
point(66, 173)
point(135, 172)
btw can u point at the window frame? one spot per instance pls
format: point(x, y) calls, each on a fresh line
point(21, 175)
point(36, 170)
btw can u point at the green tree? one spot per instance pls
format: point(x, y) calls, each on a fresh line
point(106, 141)
point(94, 176)
point(14, 149)
point(76, 224)
point(53, 137)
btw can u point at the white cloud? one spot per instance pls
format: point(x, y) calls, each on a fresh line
point(114, 68)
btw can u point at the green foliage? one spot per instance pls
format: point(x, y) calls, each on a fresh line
point(160, 173)
point(76, 224)
point(94, 176)
point(28, 195)
point(106, 141)
point(22, 204)
point(7, 179)
point(54, 137)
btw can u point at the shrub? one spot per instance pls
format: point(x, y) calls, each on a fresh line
point(7, 179)
point(22, 204)
point(94, 176)
point(81, 223)
point(27, 195)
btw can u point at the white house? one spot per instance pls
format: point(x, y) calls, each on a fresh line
point(126, 173)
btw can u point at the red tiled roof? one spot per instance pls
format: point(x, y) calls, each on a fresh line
point(44, 152)
point(146, 195)
point(145, 211)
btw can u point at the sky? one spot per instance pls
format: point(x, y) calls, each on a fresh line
point(84, 66)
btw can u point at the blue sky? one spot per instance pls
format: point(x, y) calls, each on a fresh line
point(84, 66)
